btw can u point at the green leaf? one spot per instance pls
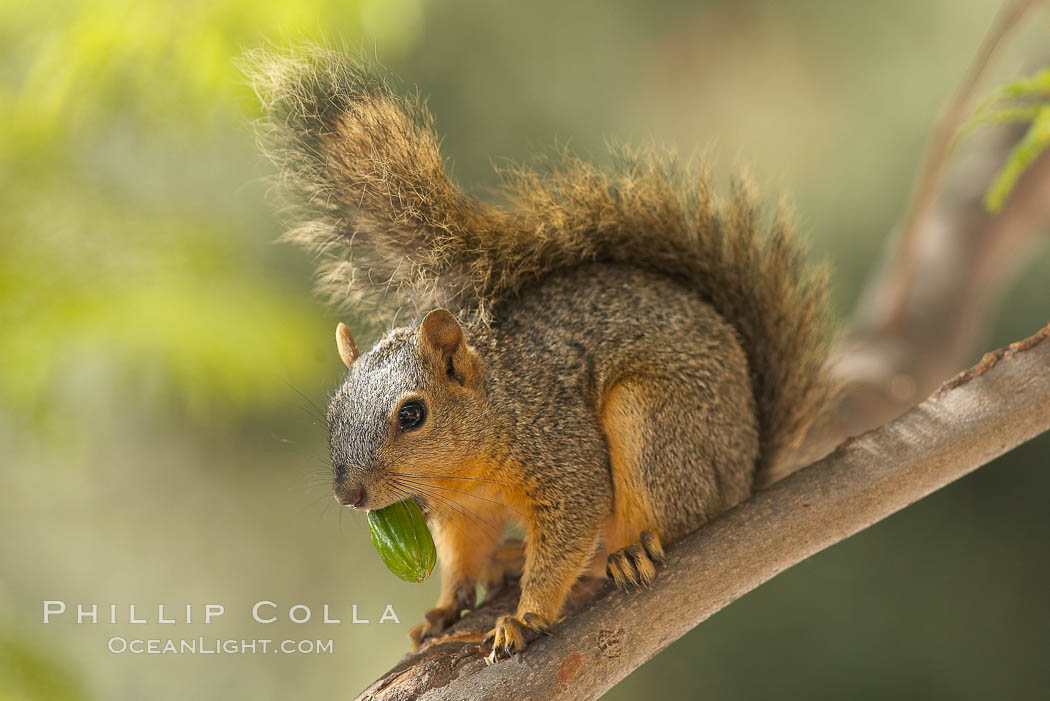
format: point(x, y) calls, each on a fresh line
point(1018, 101)
point(1034, 142)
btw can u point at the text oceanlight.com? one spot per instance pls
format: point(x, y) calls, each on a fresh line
point(214, 646)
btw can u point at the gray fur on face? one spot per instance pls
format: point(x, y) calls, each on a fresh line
point(362, 409)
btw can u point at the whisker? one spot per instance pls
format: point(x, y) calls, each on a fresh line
point(323, 458)
point(313, 503)
point(320, 415)
point(435, 499)
point(475, 496)
point(437, 509)
point(432, 491)
point(317, 420)
point(461, 509)
point(449, 477)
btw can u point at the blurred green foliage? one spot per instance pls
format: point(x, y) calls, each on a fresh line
point(115, 247)
point(1025, 101)
point(29, 675)
point(167, 64)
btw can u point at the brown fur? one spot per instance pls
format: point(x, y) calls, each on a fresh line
point(623, 352)
point(623, 422)
point(364, 180)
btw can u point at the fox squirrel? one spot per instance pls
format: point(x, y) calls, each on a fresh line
point(610, 359)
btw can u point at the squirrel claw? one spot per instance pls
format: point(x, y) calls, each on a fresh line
point(513, 634)
point(440, 618)
point(653, 547)
point(635, 565)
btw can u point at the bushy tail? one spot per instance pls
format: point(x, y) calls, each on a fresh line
point(363, 181)
point(363, 178)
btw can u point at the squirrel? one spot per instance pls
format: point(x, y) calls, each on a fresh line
point(608, 357)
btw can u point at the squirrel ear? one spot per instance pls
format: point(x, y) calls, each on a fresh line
point(441, 331)
point(344, 341)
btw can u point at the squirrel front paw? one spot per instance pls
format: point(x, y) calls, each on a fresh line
point(441, 617)
point(513, 634)
point(635, 565)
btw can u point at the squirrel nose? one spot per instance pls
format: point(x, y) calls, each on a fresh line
point(353, 498)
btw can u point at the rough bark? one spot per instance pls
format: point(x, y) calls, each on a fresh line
point(980, 414)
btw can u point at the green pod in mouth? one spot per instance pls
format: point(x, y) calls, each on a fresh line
point(400, 535)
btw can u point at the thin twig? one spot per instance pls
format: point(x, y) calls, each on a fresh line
point(937, 153)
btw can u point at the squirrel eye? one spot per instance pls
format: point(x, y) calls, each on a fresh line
point(411, 415)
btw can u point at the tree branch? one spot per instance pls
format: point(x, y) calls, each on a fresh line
point(980, 414)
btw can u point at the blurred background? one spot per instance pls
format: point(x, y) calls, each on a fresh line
point(161, 357)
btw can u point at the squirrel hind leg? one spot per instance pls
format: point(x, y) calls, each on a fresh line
point(625, 417)
point(679, 455)
point(632, 546)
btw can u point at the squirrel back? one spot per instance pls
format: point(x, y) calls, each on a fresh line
point(362, 176)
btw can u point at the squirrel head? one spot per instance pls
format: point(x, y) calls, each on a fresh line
point(407, 412)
